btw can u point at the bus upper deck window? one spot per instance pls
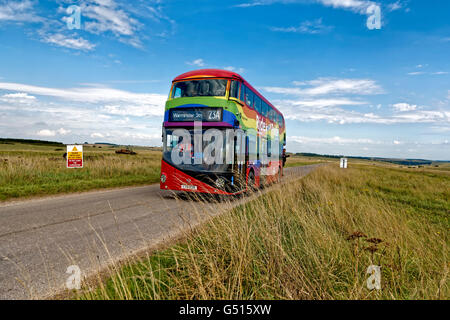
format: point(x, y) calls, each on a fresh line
point(177, 92)
point(280, 120)
point(264, 109)
point(271, 114)
point(200, 88)
point(258, 104)
point(248, 97)
point(234, 89)
point(204, 88)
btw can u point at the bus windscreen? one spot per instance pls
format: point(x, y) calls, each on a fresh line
point(200, 88)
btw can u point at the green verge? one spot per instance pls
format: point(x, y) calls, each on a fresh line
point(313, 238)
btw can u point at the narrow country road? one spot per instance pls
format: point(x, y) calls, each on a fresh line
point(40, 238)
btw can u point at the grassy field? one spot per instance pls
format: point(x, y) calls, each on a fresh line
point(31, 169)
point(312, 238)
point(295, 161)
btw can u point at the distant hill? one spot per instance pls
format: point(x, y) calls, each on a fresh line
point(106, 143)
point(31, 141)
point(405, 162)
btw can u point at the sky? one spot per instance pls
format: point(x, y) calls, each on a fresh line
point(352, 77)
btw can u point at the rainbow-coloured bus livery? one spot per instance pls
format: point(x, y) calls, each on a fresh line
point(222, 100)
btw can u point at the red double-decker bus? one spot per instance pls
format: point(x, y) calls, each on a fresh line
point(206, 106)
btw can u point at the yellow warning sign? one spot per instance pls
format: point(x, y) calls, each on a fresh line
point(74, 156)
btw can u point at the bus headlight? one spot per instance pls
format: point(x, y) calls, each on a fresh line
point(163, 178)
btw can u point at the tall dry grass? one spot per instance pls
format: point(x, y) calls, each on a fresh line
point(307, 239)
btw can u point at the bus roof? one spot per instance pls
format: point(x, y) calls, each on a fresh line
point(203, 73)
point(218, 73)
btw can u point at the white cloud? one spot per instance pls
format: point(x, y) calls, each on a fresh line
point(321, 103)
point(327, 110)
point(395, 6)
point(254, 4)
point(127, 136)
point(46, 133)
point(402, 107)
point(20, 98)
point(19, 95)
point(355, 146)
point(63, 131)
point(234, 69)
point(331, 111)
point(333, 140)
point(196, 62)
point(52, 133)
point(97, 135)
point(120, 19)
point(104, 16)
point(18, 11)
point(439, 72)
point(440, 129)
point(323, 86)
point(416, 73)
point(139, 136)
point(124, 101)
point(322, 100)
point(61, 40)
point(78, 124)
point(421, 66)
point(119, 116)
point(309, 27)
point(355, 5)
point(299, 83)
point(422, 116)
point(136, 111)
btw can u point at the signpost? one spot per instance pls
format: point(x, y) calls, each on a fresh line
point(343, 163)
point(75, 156)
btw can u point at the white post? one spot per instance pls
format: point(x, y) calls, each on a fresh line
point(343, 163)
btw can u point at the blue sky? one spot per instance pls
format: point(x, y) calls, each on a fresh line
point(343, 88)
